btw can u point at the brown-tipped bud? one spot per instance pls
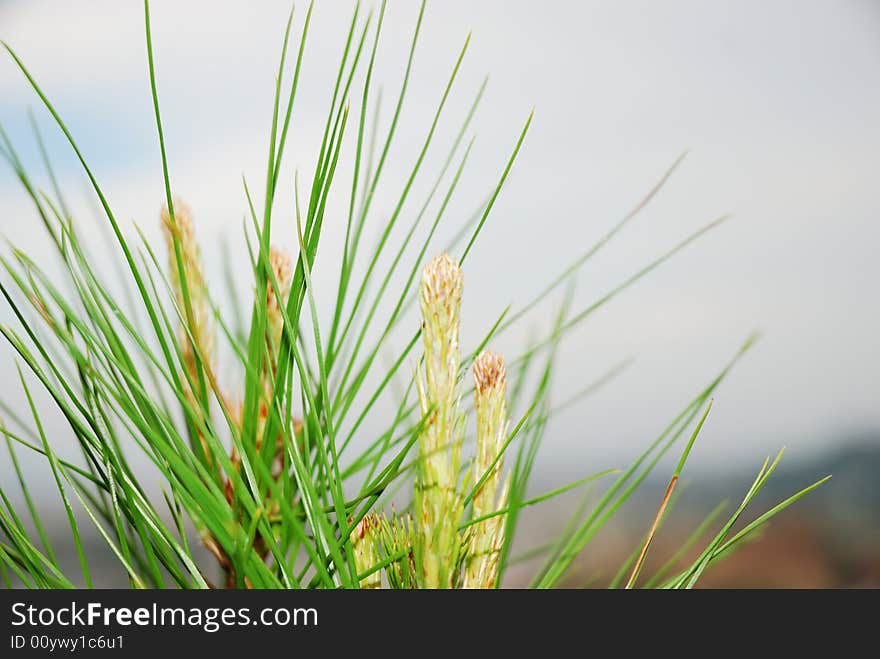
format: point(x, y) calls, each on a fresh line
point(365, 546)
point(489, 372)
point(196, 315)
point(486, 536)
point(491, 406)
point(438, 504)
point(442, 284)
point(282, 270)
point(440, 296)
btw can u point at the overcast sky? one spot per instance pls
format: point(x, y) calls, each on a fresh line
point(776, 102)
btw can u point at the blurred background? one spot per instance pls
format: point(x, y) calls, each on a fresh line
point(777, 105)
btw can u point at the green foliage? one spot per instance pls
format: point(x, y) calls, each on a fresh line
point(281, 514)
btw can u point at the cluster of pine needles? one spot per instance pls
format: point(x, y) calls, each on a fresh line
point(276, 482)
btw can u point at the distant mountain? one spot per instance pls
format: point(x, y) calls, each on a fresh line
point(848, 504)
point(828, 539)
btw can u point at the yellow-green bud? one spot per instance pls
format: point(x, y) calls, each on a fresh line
point(437, 503)
point(490, 386)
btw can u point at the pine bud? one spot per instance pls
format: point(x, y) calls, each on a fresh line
point(282, 270)
point(438, 505)
point(196, 315)
point(490, 380)
point(365, 545)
